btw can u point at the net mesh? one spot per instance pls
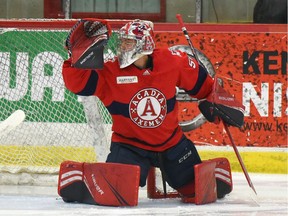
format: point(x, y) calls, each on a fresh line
point(59, 125)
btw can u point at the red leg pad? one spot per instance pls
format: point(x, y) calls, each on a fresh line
point(205, 183)
point(70, 182)
point(70, 171)
point(223, 176)
point(112, 184)
point(187, 190)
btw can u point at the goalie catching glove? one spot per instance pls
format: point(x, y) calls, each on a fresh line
point(221, 104)
point(86, 41)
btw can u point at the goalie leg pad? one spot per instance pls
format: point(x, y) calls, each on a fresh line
point(205, 184)
point(223, 176)
point(112, 184)
point(70, 183)
point(187, 191)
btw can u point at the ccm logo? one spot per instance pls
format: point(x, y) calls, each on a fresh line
point(185, 156)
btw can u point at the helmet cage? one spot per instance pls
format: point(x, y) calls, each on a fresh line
point(140, 31)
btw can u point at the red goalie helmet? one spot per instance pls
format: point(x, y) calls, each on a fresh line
point(135, 41)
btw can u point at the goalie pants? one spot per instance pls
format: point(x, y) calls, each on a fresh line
point(176, 163)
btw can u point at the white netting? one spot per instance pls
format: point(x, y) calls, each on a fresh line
point(59, 125)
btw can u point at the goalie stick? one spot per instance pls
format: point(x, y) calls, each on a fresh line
point(239, 157)
point(11, 122)
point(185, 32)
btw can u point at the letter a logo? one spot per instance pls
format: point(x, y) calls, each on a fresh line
point(149, 108)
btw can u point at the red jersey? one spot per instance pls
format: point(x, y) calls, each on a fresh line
point(142, 102)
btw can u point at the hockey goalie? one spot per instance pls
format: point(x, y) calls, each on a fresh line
point(137, 86)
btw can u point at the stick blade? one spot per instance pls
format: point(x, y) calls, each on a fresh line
point(12, 122)
point(254, 197)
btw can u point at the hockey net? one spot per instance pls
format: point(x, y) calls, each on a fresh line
point(59, 125)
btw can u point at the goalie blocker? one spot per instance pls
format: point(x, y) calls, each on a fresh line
point(113, 184)
point(220, 104)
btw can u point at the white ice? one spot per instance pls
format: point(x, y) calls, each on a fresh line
point(271, 200)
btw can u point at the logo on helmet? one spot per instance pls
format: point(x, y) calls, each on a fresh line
point(148, 108)
point(140, 29)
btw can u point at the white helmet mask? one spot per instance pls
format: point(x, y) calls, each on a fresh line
point(140, 33)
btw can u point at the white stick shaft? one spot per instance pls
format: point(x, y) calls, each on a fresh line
point(11, 122)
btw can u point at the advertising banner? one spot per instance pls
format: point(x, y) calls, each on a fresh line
point(253, 67)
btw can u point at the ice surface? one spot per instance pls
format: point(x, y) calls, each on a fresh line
point(272, 200)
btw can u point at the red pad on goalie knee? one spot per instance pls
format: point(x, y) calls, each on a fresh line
point(70, 183)
point(205, 184)
point(223, 176)
point(112, 184)
point(70, 172)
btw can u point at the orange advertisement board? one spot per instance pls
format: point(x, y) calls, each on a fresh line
point(253, 67)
